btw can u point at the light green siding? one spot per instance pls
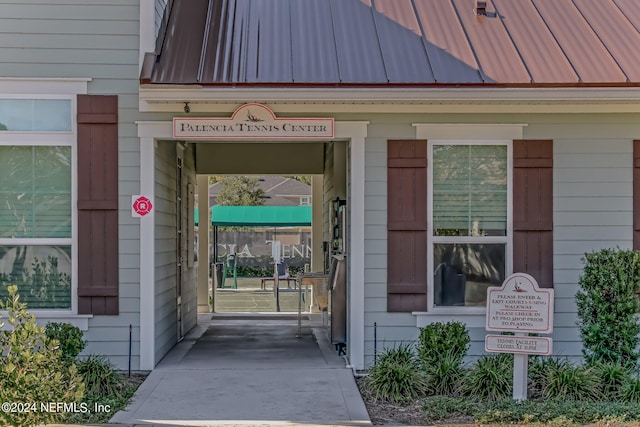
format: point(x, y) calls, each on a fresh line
point(96, 40)
point(166, 327)
point(592, 209)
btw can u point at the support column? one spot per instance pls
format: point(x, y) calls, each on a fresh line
point(204, 222)
point(356, 132)
point(317, 191)
point(340, 169)
point(147, 256)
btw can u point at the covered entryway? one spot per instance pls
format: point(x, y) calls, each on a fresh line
point(336, 164)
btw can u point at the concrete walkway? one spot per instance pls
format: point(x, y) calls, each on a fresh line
point(247, 370)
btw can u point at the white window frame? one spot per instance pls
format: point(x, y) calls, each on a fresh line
point(305, 200)
point(63, 89)
point(431, 239)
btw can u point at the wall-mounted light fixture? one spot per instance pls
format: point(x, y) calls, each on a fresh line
point(187, 109)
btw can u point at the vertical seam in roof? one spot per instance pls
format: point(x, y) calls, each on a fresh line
point(228, 39)
point(466, 36)
point(375, 26)
point(293, 78)
point(423, 40)
point(163, 28)
point(335, 43)
point(615, 2)
point(600, 39)
point(515, 46)
point(205, 42)
point(533, 3)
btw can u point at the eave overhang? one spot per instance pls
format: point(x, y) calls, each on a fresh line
point(202, 99)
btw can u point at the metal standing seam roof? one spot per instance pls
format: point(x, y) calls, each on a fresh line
point(426, 43)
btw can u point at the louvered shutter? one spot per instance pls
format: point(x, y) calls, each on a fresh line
point(533, 209)
point(407, 226)
point(98, 204)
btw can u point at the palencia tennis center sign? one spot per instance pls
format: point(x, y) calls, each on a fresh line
point(252, 121)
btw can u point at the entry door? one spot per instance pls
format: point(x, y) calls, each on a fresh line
point(179, 247)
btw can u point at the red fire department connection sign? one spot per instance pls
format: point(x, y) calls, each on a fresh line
point(140, 206)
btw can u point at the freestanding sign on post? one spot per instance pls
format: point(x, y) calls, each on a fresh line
point(521, 307)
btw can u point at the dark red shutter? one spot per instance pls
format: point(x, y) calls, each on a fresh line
point(533, 209)
point(407, 226)
point(636, 195)
point(98, 204)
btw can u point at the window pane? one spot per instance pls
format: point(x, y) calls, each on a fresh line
point(35, 191)
point(41, 273)
point(469, 190)
point(464, 271)
point(23, 115)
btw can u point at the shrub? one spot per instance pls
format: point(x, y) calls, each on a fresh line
point(397, 377)
point(105, 386)
point(436, 408)
point(32, 369)
point(630, 391)
point(100, 376)
point(566, 381)
point(69, 338)
point(540, 370)
point(557, 412)
point(491, 377)
point(612, 378)
point(444, 377)
point(439, 339)
point(608, 304)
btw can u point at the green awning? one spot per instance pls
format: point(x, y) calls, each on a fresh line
point(273, 216)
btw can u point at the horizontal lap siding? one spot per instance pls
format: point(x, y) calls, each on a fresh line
point(165, 257)
point(190, 282)
point(392, 328)
point(591, 211)
point(97, 40)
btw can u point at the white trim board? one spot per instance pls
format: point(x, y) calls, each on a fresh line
point(164, 98)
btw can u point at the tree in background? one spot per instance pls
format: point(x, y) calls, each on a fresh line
point(240, 191)
point(305, 179)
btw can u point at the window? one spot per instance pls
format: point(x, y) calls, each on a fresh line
point(36, 194)
point(469, 238)
point(305, 201)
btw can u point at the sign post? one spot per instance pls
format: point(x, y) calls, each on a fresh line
point(521, 307)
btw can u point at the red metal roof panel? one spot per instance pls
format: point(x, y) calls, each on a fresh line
point(585, 51)
point(543, 57)
point(621, 39)
point(631, 9)
point(447, 46)
point(497, 56)
point(400, 37)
